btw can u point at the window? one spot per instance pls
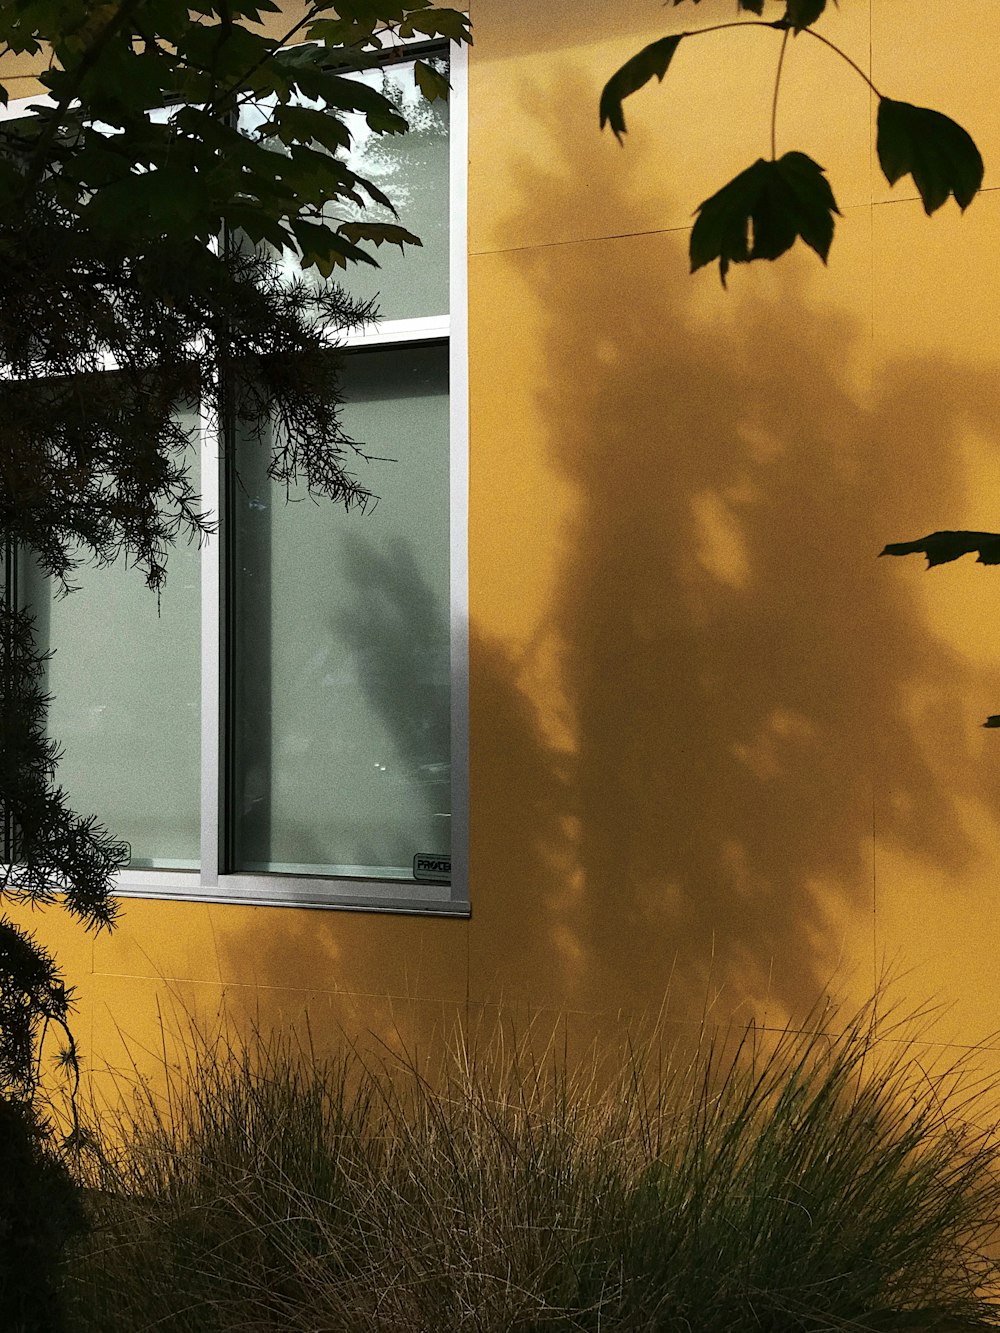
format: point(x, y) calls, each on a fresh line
point(289, 726)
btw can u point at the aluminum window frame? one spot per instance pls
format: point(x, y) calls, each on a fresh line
point(211, 882)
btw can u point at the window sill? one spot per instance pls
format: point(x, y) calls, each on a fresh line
point(399, 897)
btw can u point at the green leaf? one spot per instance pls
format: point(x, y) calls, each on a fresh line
point(314, 178)
point(123, 84)
point(325, 249)
point(305, 69)
point(228, 52)
point(431, 82)
point(800, 14)
point(941, 548)
point(432, 22)
point(299, 124)
point(936, 151)
point(19, 40)
point(257, 224)
point(380, 233)
point(234, 8)
point(97, 163)
point(340, 32)
point(762, 211)
point(170, 202)
point(633, 75)
point(364, 11)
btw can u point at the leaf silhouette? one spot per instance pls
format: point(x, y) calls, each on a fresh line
point(941, 548)
point(431, 82)
point(752, 6)
point(761, 213)
point(800, 14)
point(936, 151)
point(633, 75)
point(381, 233)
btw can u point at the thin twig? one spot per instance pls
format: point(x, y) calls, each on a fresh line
point(844, 56)
point(774, 103)
point(783, 25)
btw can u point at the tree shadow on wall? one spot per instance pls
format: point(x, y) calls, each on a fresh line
point(738, 672)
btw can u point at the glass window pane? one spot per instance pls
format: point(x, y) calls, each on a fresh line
point(412, 169)
point(126, 713)
point(341, 656)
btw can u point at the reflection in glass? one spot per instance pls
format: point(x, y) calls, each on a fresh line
point(125, 681)
point(412, 169)
point(340, 643)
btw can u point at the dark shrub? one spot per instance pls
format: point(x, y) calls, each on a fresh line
point(40, 1212)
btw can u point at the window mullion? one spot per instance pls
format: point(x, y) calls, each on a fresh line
point(458, 377)
point(13, 601)
point(211, 645)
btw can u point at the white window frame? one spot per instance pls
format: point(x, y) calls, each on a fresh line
point(209, 883)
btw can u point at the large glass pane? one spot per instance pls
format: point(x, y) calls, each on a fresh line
point(340, 643)
point(125, 680)
point(412, 169)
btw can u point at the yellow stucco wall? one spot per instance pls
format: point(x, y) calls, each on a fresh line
point(753, 750)
point(716, 746)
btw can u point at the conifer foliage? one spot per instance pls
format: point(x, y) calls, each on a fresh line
point(50, 850)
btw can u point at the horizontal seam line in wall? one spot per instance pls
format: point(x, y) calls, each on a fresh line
point(915, 198)
point(579, 240)
point(669, 231)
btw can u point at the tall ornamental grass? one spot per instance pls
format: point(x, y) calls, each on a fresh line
point(813, 1179)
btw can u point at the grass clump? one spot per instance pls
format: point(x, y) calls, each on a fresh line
point(814, 1179)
